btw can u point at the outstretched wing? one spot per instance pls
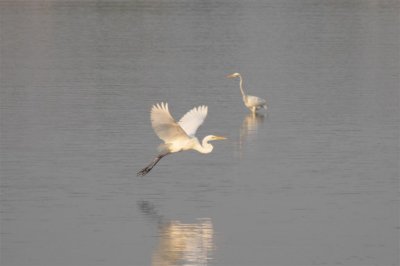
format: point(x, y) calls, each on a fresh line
point(191, 121)
point(164, 124)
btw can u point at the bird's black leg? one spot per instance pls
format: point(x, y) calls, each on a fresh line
point(150, 166)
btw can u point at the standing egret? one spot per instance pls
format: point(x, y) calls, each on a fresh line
point(178, 136)
point(253, 103)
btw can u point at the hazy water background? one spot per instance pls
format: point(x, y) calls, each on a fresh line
point(313, 182)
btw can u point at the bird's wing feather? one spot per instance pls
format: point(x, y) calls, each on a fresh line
point(192, 120)
point(254, 100)
point(164, 124)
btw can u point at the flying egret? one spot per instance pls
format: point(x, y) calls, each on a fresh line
point(253, 103)
point(178, 136)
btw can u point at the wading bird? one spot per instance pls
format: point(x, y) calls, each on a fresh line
point(178, 136)
point(253, 103)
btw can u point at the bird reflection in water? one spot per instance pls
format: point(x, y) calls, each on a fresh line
point(184, 243)
point(181, 243)
point(249, 128)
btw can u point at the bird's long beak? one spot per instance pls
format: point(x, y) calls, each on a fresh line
point(219, 138)
point(230, 76)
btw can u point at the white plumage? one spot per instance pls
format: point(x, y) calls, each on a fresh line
point(178, 136)
point(253, 103)
point(193, 119)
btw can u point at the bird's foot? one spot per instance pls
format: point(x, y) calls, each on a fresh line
point(143, 172)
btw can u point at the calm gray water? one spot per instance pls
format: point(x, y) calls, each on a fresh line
point(314, 181)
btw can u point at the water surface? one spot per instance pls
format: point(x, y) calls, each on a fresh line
point(312, 182)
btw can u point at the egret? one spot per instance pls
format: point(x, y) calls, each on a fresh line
point(178, 136)
point(253, 103)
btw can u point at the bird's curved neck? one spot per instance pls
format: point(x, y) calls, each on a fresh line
point(204, 147)
point(241, 86)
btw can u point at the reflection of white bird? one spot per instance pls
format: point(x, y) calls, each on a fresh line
point(178, 136)
point(250, 124)
point(253, 103)
point(180, 243)
point(191, 243)
point(249, 128)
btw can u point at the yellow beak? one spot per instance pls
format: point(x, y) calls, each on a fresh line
point(230, 76)
point(219, 138)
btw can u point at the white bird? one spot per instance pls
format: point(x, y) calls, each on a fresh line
point(178, 136)
point(253, 103)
